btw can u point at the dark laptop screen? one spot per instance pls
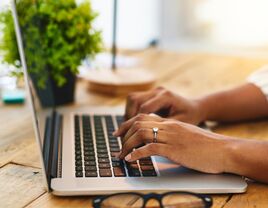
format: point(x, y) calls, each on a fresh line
point(33, 52)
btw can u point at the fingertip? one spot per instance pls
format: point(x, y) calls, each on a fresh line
point(128, 158)
point(115, 133)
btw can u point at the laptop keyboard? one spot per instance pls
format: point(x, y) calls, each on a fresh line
point(96, 149)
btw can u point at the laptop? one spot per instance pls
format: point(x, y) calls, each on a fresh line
point(77, 152)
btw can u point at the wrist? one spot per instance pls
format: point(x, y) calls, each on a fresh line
point(203, 108)
point(230, 150)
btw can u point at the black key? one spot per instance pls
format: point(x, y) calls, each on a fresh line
point(103, 156)
point(115, 149)
point(78, 162)
point(112, 138)
point(90, 168)
point(87, 163)
point(148, 173)
point(113, 141)
point(87, 138)
point(101, 142)
point(104, 165)
point(89, 158)
point(78, 168)
point(105, 173)
point(100, 137)
point(101, 146)
point(132, 166)
point(90, 163)
point(117, 164)
point(102, 151)
point(119, 172)
point(91, 174)
point(88, 149)
point(99, 132)
point(147, 167)
point(77, 148)
point(78, 152)
point(134, 173)
point(78, 157)
point(115, 159)
point(88, 144)
point(89, 153)
point(114, 145)
point(145, 162)
point(103, 160)
point(98, 128)
point(79, 174)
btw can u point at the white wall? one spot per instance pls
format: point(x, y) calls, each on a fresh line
point(3, 3)
point(138, 21)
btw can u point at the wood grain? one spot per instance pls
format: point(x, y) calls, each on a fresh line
point(187, 74)
point(19, 185)
point(28, 156)
point(16, 131)
point(256, 197)
point(48, 201)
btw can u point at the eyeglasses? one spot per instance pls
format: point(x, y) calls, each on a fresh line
point(166, 200)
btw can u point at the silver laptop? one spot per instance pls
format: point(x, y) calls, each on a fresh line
point(77, 151)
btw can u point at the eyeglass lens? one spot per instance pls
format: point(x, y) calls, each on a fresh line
point(169, 201)
point(123, 201)
point(182, 201)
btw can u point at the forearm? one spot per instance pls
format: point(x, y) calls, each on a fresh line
point(242, 103)
point(247, 158)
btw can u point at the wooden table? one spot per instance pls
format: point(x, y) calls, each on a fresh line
point(187, 74)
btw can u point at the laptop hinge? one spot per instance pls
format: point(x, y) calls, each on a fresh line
point(52, 140)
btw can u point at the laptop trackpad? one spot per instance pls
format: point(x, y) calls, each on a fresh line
point(168, 168)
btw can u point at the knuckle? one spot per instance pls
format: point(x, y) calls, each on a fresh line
point(141, 133)
point(174, 125)
point(141, 116)
point(160, 88)
point(137, 125)
point(167, 93)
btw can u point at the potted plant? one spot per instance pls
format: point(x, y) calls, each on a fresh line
point(57, 36)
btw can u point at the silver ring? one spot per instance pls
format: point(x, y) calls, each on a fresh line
point(155, 132)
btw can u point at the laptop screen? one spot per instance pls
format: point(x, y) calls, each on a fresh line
point(32, 53)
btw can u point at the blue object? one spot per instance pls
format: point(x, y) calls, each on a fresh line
point(15, 96)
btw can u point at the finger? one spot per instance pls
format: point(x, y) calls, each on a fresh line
point(134, 101)
point(147, 151)
point(122, 130)
point(140, 137)
point(142, 125)
point(154, 105)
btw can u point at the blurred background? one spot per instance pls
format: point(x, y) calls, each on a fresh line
point(233, 27)
point(236, 27)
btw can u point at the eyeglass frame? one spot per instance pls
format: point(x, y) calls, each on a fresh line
point(207, 200)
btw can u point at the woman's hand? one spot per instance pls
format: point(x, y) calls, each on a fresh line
point(182, 143)
point(165, 103)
